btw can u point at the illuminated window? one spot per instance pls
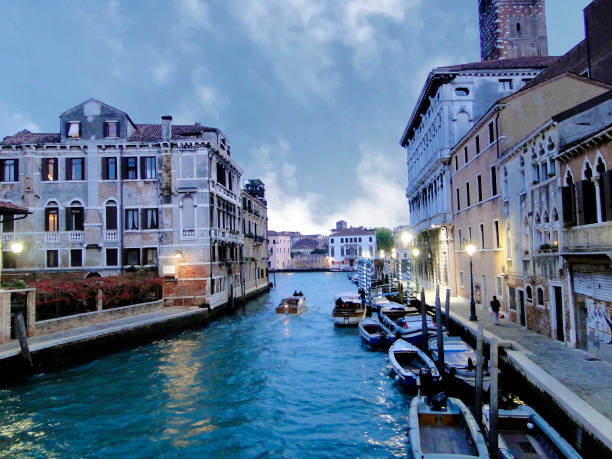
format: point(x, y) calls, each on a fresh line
point(74, 129)
point(49, 171)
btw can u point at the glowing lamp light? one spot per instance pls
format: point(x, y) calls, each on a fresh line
point(382, 253)
point(178, 255)
point(470, 249)
point(16, 247)
point(406, 237)
point(416, 252)
point(366, 254)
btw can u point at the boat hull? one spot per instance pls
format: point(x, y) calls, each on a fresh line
point(348, 318)
point(370, 332)
point(409, 375)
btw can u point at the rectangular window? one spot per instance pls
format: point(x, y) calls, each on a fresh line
point(479, 182)
point(456, 163)
point(149, 256)
point(477, 144)
point(109, 168)
point(73, 129)
point(52, 259)
point(460, 278)
point(458, 199)
point(131, 219)
point(75, 168)
point(130, 168)
point(468, 201)
point(148, 168)
point(465, 155)
point(111, 217)
point(482, 236)
point(493, 182)
point(149, 218)
point(505, 85)
point(460, 239)
point(496, 232)
point(9, 170)
point(76, 258)
point(469, 234)
point(112, 257)
point(9, 260)
point(111, 129)
point(500, 290)
point(491, 132)
point(131, 257)
point(49, 170)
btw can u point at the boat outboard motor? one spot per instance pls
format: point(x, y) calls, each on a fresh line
point(438, 401)
point(470, 364)
point(426, 379)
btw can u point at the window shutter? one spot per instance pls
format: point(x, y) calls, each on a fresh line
point(567, 200)
point(45, 169)
point(16, 170)
point(606, 194)
point(143, 168)
point(143, 219)
point(105, 129)
point(589, 202)
point(123, 168)
point(80, 214)
point(68, 168)
point(46, 219)
point(580, 199)
point(111, 217)
point(1, 170)
point(104, 168)
point(68, 220)
point(55, 162)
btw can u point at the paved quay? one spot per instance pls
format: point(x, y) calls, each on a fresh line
point(39, 343)
point(582, 387)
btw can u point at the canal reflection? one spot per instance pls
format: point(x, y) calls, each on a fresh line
point(253, 384)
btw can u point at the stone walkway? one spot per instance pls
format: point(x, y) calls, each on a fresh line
point(574, 378)
point(40, 342)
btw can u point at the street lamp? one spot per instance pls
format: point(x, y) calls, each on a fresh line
point(16, 247)
point(470, 249)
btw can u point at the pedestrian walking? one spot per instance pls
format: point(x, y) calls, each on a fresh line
point(495, 305)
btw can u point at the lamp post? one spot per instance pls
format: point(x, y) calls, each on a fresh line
point(415, 253)
point(470, 249)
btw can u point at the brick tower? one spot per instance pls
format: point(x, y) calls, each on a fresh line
point(512, 28)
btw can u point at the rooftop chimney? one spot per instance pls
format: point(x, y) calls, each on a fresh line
point(166, 127)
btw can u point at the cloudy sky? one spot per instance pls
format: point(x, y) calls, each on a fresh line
point(313, 94)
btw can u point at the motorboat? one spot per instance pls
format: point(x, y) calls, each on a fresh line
point(372, 333)
point(410, 364)
point(291, 305)
point(348, 310)
point(443, 427)
point(399, 321)
point(459, 361)
point(523, 433)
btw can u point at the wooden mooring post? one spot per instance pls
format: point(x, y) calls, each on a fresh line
point(23, 340)
point(439, 330)
point(447, 308)
point(424, 321)
point(493, 403)
point(479, 371)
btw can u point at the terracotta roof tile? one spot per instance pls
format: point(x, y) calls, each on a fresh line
point(360, 231)
point(26, 136)
point(8, 208)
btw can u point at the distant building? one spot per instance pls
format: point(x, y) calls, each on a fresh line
point(279, 251)
point(402, 241)
point(341, 225)
point(348, 244)
point(254, 228)
point(306, 261)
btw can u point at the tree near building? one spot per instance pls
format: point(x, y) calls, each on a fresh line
point(384, 239)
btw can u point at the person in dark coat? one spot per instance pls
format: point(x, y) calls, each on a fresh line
point(339, 303)
point(495, 305)
point(362, 295)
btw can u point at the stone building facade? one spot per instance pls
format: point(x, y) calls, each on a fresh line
point(512, 28)
point(279, 251)
point(107, 194)
point(452, 100)
point(255, 229)
point(346, 245)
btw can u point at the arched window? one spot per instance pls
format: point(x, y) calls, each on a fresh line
point(526, 236)
point(508, 245)
point(555, 215)
point(540, 292)
point(545, 217)
point(52, 216)
point(522, 162)
point(75, 215)
point(569, 179)
point(529, 293)
point(587, 172)
point(538, 220)
point(111, 215)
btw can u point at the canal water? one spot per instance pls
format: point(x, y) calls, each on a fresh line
point(255, 384)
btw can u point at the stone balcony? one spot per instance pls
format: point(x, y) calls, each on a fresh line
point(588, 238)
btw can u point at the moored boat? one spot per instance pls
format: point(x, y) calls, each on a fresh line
point(459, 361)
point(348, 311)
point(372, 333)
point(523, 433)
point(291, 305)
point(397, 320)
point(444, 428)
point(410, 364)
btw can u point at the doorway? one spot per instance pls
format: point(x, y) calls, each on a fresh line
point(559, 314)
point(485, 298)
point(522, 318)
